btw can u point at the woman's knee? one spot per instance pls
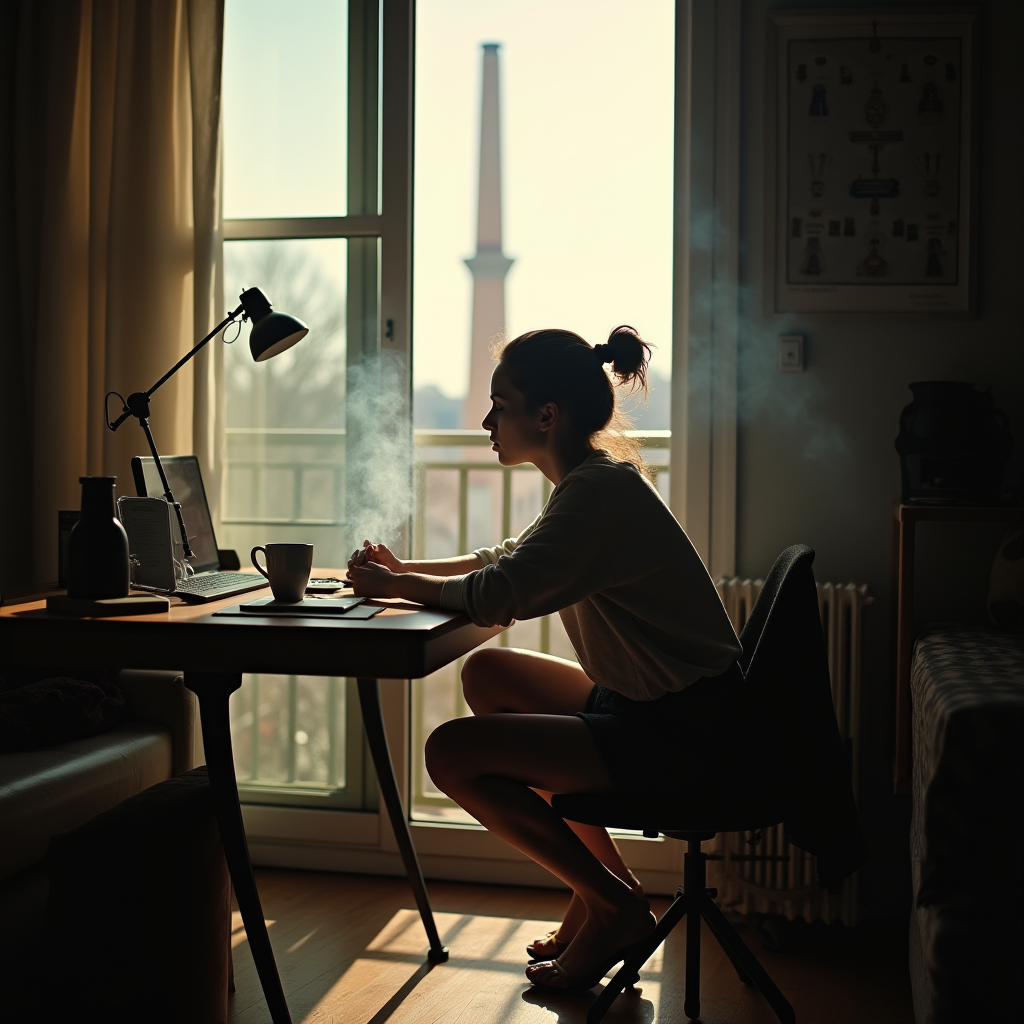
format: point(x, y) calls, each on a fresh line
point(482, 680)
point(444, 754)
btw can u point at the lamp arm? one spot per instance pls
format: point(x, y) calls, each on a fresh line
point(137, 405)
point(146, 395)
point(185, 358)
point(186, 550)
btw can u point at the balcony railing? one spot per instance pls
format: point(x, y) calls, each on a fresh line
point(290, 482)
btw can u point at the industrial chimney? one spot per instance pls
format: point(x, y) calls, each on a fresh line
point(490, 265)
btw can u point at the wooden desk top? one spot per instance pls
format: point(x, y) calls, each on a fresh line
point(404, 641)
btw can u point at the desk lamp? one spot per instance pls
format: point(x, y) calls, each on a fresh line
point(272, 333)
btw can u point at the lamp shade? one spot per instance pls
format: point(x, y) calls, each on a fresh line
point(272, 332)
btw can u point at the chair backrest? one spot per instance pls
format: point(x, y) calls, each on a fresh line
point(790, 718)
point(786, 564)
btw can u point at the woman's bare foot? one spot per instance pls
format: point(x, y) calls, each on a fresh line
point(606, 930)
point(549, 946)
point(552, 945)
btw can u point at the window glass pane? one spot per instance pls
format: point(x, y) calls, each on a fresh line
point(554, 210)
point(285, 108)
point(286, 416)
point(285, 481)
point(584, 113)
point(289, 738)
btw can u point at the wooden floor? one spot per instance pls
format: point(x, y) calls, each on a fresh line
point(351, 950)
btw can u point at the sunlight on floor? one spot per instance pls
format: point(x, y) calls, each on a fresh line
point(238, 929)
point(482, 981)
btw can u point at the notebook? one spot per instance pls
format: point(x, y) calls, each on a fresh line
point(349, 608)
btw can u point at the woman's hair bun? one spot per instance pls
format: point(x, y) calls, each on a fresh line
point(629, 355)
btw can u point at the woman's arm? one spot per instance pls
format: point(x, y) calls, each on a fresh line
point(371, 579)
point(457, 566)
point(382, 555)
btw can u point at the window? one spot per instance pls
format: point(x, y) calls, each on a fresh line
point(303, 221)
point(617, 139)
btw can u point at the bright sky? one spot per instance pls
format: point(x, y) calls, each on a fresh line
point(586, 89)
point(285, 108)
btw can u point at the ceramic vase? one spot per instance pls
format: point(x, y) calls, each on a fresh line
point(98, 545)
point(953, 444)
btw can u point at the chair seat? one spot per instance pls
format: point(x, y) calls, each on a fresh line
point(669, 811)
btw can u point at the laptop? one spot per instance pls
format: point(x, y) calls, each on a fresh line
point(210, 582)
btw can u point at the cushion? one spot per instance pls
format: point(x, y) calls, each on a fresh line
point(57, 709)
point(1006, 582)
point(43, 792)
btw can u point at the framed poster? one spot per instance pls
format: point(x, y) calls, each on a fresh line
point(872, 141)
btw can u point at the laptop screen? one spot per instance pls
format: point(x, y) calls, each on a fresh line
point(186, 484)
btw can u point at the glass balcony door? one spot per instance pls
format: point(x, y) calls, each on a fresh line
point(543, 195)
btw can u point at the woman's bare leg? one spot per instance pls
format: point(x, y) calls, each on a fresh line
point(500, 680)
point(491, 765)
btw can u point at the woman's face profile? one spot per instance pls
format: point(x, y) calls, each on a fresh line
point(516, 434)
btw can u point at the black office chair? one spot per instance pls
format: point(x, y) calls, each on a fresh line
point(785, 763)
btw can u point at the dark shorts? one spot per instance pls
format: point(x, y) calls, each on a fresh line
point(654, 744)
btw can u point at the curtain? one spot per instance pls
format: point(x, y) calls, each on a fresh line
point(111, 188)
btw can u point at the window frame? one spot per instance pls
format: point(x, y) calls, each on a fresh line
point(703, 447)
point(379, 179)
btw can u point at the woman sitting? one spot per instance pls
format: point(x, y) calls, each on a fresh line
point(657, 653)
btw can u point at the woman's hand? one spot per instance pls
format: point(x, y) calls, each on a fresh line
point(371, 579)
point(379, 553)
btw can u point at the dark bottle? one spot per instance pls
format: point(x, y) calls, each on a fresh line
point(98, 545)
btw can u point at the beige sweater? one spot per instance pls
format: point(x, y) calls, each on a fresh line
point(607, 554)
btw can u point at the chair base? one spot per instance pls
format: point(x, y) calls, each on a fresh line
point(695, 901)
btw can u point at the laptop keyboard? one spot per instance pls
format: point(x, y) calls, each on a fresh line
point(215, 585)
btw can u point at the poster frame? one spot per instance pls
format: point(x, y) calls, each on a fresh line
point(869, 301)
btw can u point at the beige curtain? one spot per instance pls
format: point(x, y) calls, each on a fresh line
point(114, 179)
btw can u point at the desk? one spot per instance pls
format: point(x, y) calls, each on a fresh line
point(403, 642)
point(905, 520)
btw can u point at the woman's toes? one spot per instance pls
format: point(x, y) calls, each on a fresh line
point(550, 946)
point(546, 973)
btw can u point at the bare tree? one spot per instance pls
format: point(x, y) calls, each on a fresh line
point(305, 386)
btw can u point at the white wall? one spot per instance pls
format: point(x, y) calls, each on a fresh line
point(816, 457)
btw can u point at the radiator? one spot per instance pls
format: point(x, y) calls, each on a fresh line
point(775, 877)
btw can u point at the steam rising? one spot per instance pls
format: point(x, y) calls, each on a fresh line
point(378, 455)
point(800, 401)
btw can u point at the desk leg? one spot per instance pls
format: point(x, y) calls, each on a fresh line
point(373, 723)
point(213, 691)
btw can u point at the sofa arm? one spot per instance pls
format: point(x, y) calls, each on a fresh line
point(161, 697)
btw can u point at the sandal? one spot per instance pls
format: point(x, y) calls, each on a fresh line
point(560, 946)
point(582, 985)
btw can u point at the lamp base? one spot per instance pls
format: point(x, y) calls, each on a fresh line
point(107, 607)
